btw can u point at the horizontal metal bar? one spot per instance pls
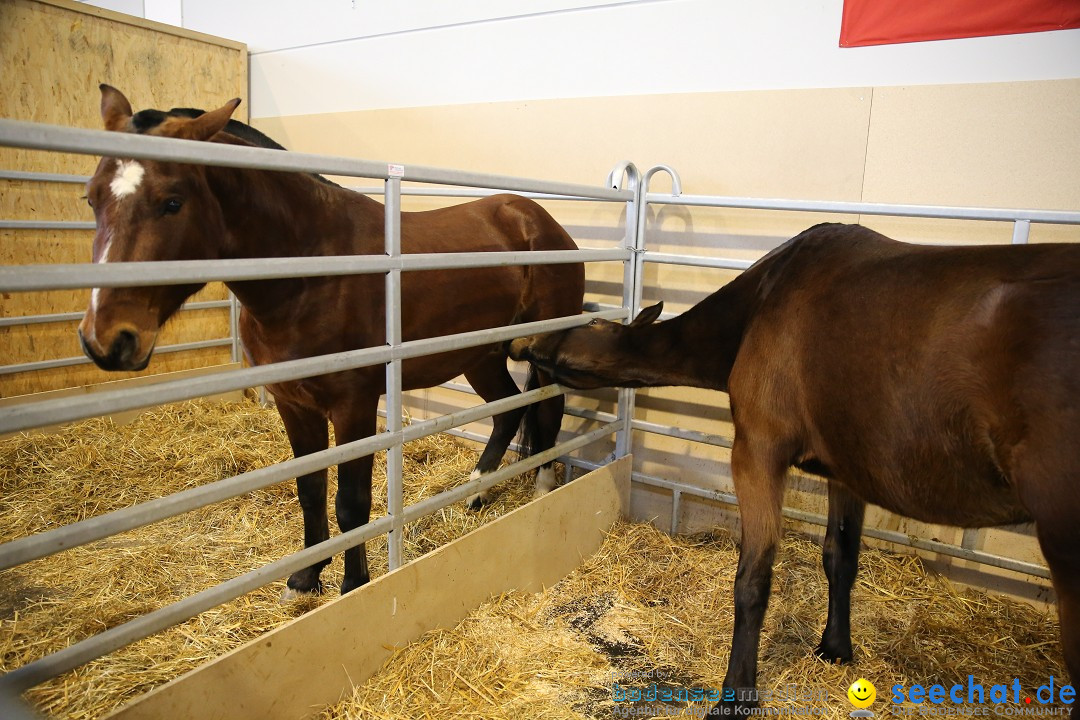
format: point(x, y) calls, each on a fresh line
point(12, 707)
point(682, 433)
point(43, 177)
point(892, 536)
point(38, 136)
point(82, 652)
point(433, 504)
point(23, 550)
point(696, 261)
point(1059, 217)
point(47, 225)
point(38, 671)
point(24, 278)
point(69, 316)
point(83, 360)
point(462, 192)
point(54, 412)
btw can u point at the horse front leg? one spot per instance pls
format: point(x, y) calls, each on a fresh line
point(353, 500)
point(840, 558)
point(759, 484)
point(308, 433)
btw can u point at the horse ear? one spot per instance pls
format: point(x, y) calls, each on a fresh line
point(648, 315)
point(115, 108)
point(210, 124)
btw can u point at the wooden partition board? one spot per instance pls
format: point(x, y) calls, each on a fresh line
point(54, 54)
point(315, 660)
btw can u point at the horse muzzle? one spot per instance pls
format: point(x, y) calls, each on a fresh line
point(123, 353)
point(519, 348)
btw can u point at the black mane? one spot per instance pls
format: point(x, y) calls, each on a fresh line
point(145, 120)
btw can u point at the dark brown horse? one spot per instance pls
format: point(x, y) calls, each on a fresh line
point(940, 383)
point(148, 210)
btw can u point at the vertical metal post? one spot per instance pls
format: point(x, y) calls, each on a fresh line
point(394, 463)
point(676, 509)
point(234, 326)
point(631, 294)
point(1021, 230)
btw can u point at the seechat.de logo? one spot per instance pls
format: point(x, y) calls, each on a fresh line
point(862, 694)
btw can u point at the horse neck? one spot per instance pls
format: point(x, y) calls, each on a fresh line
point(278, 214)
point(698, 348)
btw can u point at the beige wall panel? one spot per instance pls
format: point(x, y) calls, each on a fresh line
point(1011, 145)
point(1003, 145)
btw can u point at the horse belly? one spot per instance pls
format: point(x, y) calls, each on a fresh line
point(960, 488)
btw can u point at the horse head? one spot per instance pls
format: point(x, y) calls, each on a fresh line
point(599, 354)
point(147, 210)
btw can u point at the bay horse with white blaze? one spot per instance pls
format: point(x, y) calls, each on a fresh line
point(940, 383)
point(150, 210)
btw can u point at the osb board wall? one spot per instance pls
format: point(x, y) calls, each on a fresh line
point(54, 55)
point(1000, 144)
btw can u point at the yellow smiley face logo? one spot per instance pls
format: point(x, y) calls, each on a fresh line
point(862, 693)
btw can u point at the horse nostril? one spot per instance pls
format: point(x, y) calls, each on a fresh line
point(124, 347)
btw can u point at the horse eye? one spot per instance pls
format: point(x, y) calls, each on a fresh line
point(171, 206)
point(88, 201)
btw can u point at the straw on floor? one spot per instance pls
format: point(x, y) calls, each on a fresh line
point(653, 614)
point(647, 608)
point(96, 466)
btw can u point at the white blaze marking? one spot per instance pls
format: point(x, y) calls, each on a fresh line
point(129, 175)
point(96, 292)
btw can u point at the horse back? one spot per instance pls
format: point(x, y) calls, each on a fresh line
point(919, 376)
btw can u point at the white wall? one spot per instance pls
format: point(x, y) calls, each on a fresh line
point(347, 55)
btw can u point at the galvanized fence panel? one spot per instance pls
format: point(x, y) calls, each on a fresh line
point(392, 264)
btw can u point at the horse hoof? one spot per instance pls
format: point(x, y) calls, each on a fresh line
point(832, 656)
point(545, 482)
point(290, 595)
point(478, 501)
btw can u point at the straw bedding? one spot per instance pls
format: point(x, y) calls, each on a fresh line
point(646, 608)
point(96, 466)
point(651, 608)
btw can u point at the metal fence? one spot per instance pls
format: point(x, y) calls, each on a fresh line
point(48, 412)
point(625, 185)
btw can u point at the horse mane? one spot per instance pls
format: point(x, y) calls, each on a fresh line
point(146, 120)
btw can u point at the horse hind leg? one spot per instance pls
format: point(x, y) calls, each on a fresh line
point(353, 500)
point(1047, 491)
point(840, 558)
point(492, 381)
point(308, 433)
point(542, 423)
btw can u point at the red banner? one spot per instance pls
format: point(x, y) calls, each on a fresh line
point(882, 22)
